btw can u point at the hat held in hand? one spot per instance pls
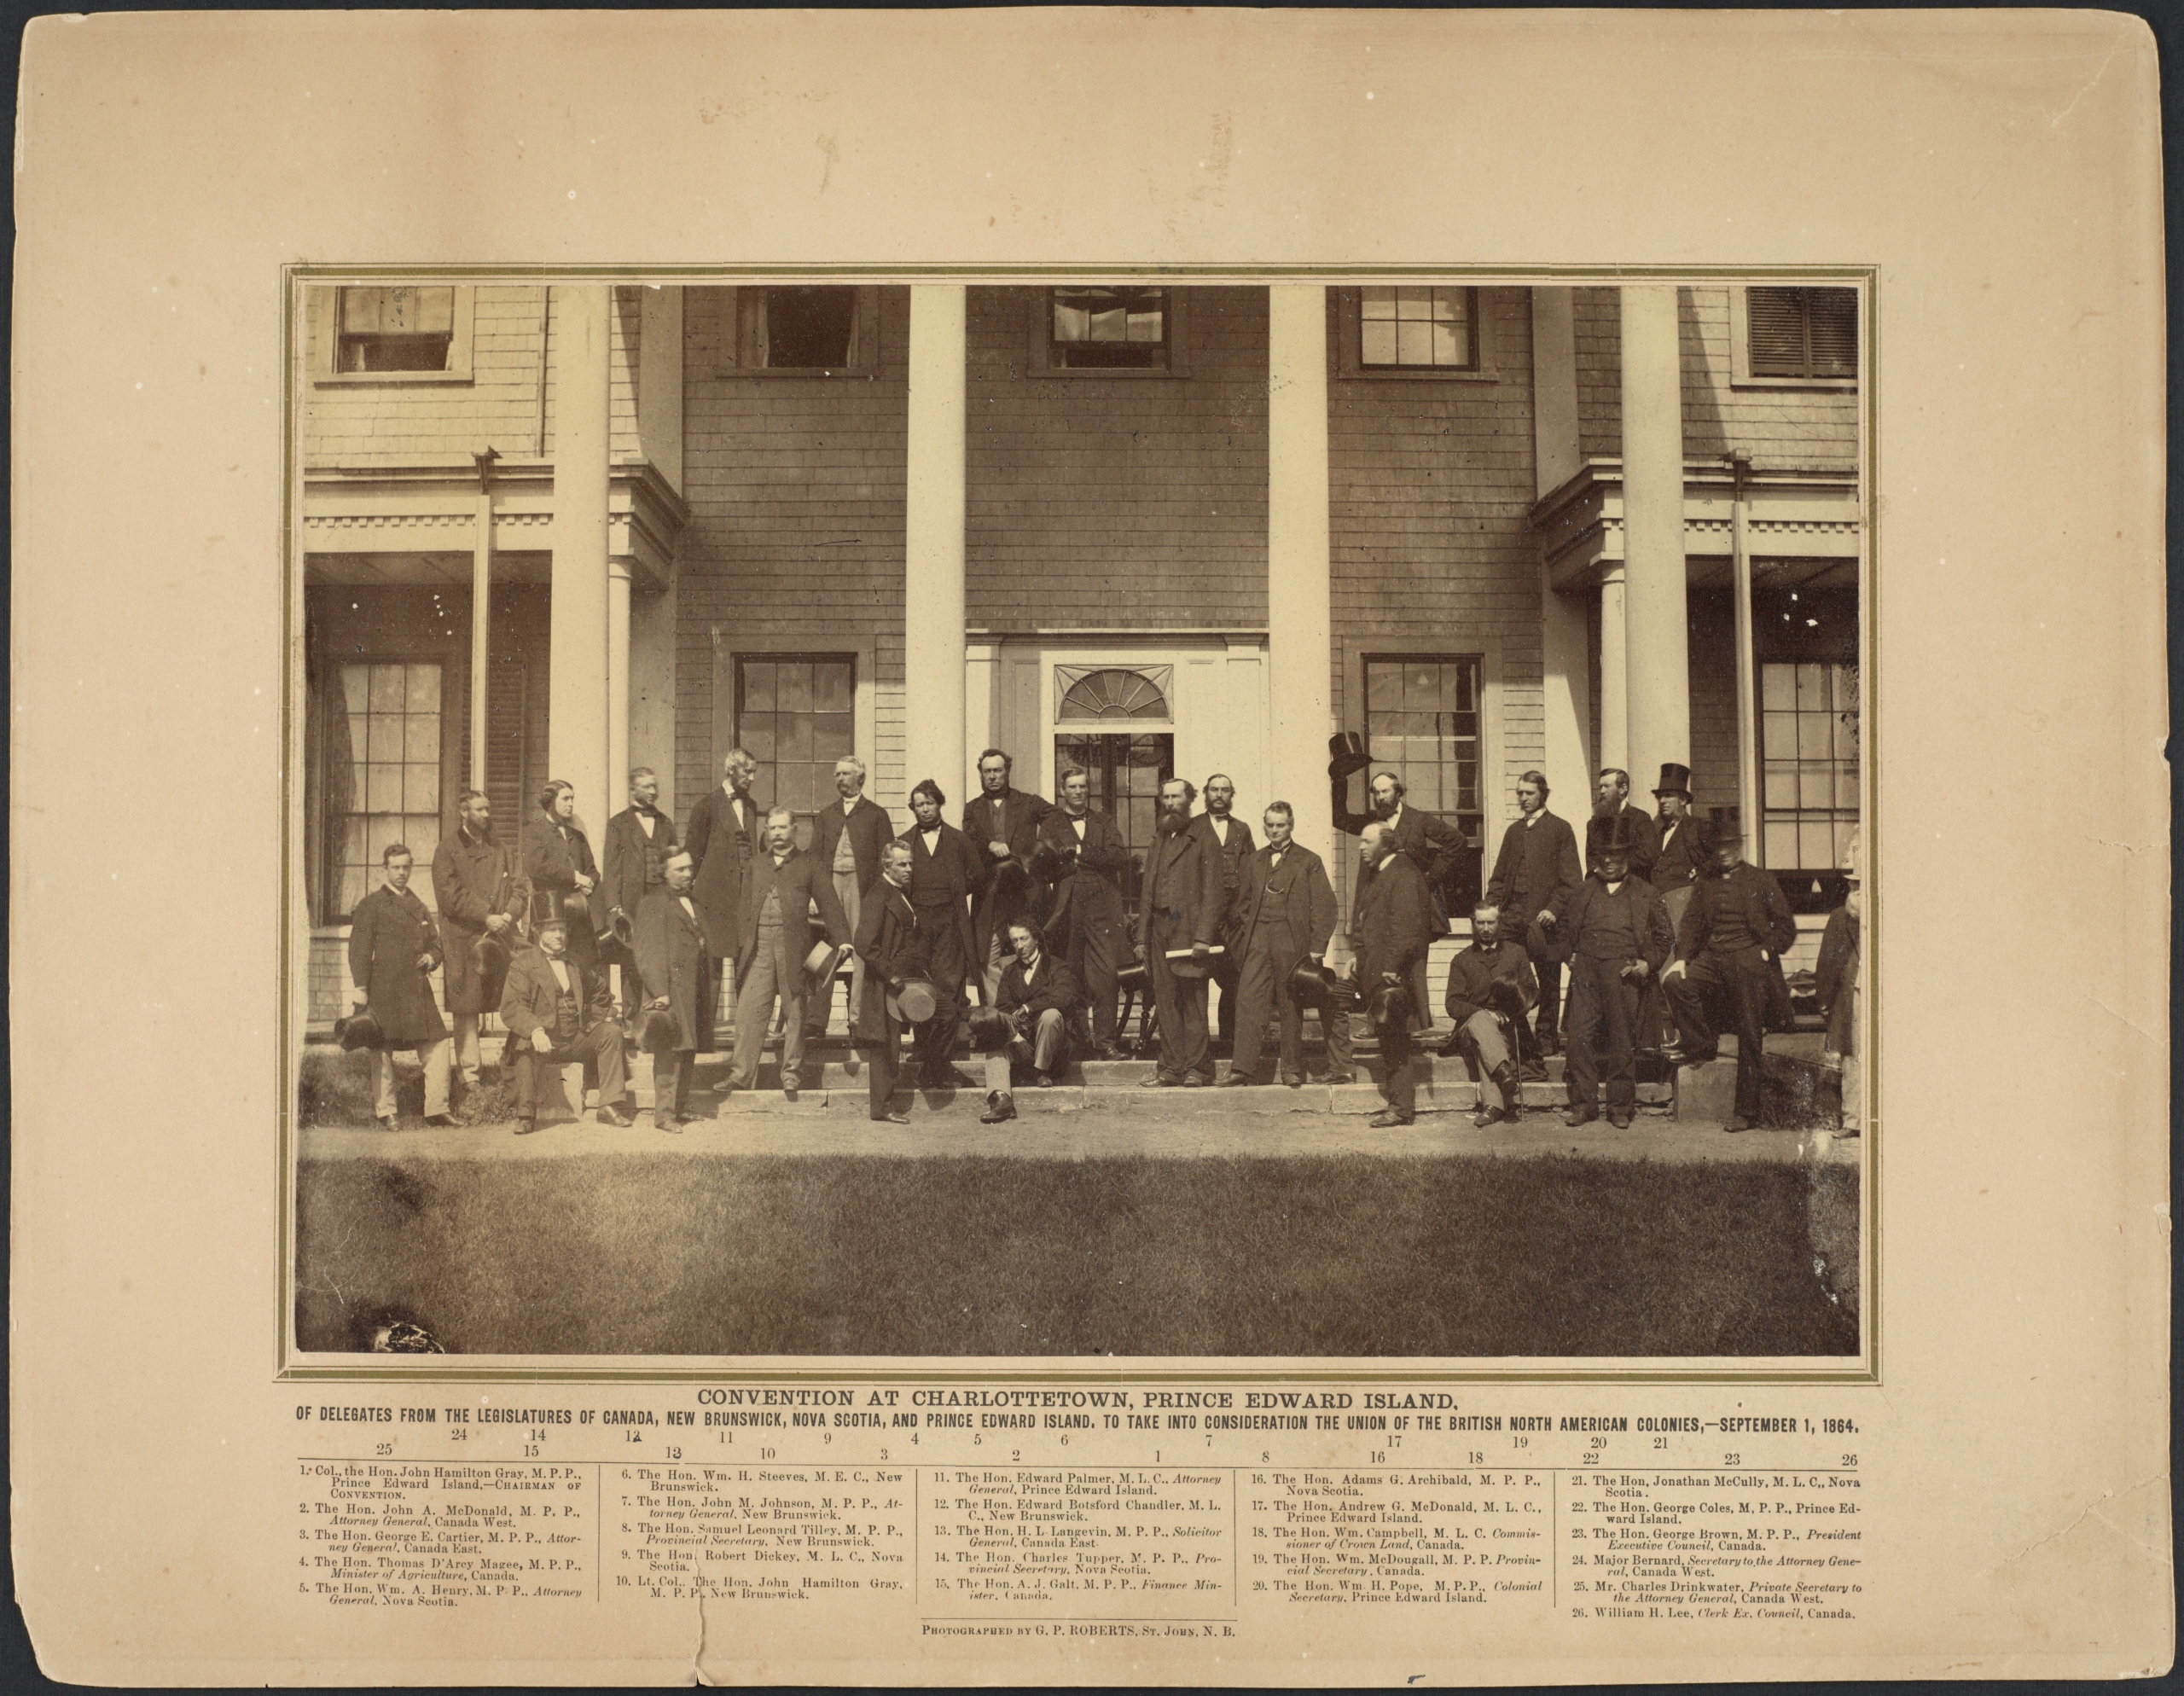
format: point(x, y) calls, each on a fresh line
point(1346, 753)
point(619, 929)
point(819, 964)
point(991, 1030)
point(913, 1003)
point(576, 905)
point(657, 1034)
point(1390, 1008)
point(359, 1030)
point(1309, 985)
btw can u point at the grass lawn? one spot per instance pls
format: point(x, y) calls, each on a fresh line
point(1342, 1255)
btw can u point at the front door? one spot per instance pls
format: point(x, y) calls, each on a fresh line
point(1127, 772)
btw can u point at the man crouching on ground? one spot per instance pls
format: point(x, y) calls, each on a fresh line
point(556, 1015)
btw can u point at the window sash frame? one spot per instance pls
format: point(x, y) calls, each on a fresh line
point(1039, 350)
point(1347, 303)
point(323, 309)
point(770, 766)
point(1741, 375)
point(866, 365)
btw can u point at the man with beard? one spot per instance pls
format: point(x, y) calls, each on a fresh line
point(1002, 824)
point(1537, 867)
point(564, 877)
point(1284, 913)
point(1611, 801)
point(1179, 911)
point(675, 961)
point(723, 838)
point(558, 1014)
point(1088, 920)
point(1489, 981)
point(847, 839)
point(1392, 924)
point(891, 949)
point(1232, 839)
point(1619, 939)
point(1728, 954)
point(946, 871)
point(481, 893)
point(786, 885)
point(1686, 846)
point(639, 840)
point(1429, 843)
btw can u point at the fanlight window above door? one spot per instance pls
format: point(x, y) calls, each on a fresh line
point(1112, 692)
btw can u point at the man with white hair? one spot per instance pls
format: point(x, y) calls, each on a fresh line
point(786, 885)
point(846, 838)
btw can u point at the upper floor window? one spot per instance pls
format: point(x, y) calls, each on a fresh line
point(822, 327)
point(1798, 335)
point(398, 329)
point(1108, 328)
point(1431, 328)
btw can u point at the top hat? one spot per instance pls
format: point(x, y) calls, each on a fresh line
point(819, 964)
point(619, 929)
point(914, 1003)
point(1011, 889)
point(1308, 984)
point(1131, 976)
point(359, 1030)
point(991, 1030)
point(576, 905)
point(1618, 835)
point(1389, 1007)
point(657, 1035)
point(548, 920)
point(1346, 753)
point(1675, 780)
point(1048, 864)
point(490, 955)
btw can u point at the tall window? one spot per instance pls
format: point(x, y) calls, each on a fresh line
point(1430, 328)
point(1803, 333)
point(398, 329)
point(383, 781)
point(796, 714)
point(1109, 329)
point(1809, 764)
point(1422, 723)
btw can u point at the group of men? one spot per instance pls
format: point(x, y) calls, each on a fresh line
point(1024, 902)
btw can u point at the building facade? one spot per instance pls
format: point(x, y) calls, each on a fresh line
point(566, 531)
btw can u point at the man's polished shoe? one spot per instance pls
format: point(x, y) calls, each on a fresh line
point(890, 1116)
point(615, 1116)
point(1043, 1080)
point(670, 1122)
point(1385, 1120)
point(438, 1121)
point(1621, 1121)
point(387, 1122)
point(1675, 1054)
point(525, 1127)
point(1484, 1116)
point(1294, 1080)
point(1157, 1082)
point(1236, 1080)
point(1000, 1107)
point(1193, 1081)
point(1574, 1117)
point(1334, 1078)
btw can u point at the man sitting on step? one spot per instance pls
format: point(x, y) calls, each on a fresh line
point(1489, 982)
point(1037, 996)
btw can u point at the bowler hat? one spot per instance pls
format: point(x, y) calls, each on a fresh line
point(913, 1002)
point(991, 1030)
point(1389, 1007)
point(658, 1033)
point(575, 906)
point(359, 1030)
point(1675, 780)
point(1308, 984)
point(819, 964)
point(619, 929)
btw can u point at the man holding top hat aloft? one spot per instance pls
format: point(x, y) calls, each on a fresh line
point(680, 974)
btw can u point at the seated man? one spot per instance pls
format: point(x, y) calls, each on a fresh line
point(1728, 954)
point(1037, 995)
point(1490, 981)
point(556, 1015)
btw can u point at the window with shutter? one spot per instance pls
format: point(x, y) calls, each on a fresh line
point(1802, 333)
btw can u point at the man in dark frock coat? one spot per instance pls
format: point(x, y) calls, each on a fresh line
point(393, 946)
point(1088, 920)
point(478, 883)
point(1002, 824)
point(1537, 867)
point(722, 834)
point(890, 947)
point(639, 840)
point(946, 871)
point(675, 960)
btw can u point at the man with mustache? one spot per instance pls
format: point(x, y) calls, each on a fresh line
point(1611, 801)
point(1181, 910)
point(1488, 978)
point(478, 883)
point(846, 838)
point(1392, 924)
point(639, 840)
point(1232, 839)
point(1429, 843)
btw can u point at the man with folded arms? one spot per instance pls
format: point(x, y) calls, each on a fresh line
point(1284, 913)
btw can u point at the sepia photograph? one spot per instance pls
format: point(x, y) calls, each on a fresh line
point(1132, 815)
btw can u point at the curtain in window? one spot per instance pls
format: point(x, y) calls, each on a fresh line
point(329, 776)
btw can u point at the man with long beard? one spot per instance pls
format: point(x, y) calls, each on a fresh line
point(1610, 803)
point(1180, 912)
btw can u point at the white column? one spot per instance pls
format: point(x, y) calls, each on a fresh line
point(1658, 623)
point(652, 690)
point(934, 739)
point(618, 690)
point(1747, 680)
point(1566, 686)
point(481, 635)
point(577, 708)
point(1615, 692)
point(1300, 621)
